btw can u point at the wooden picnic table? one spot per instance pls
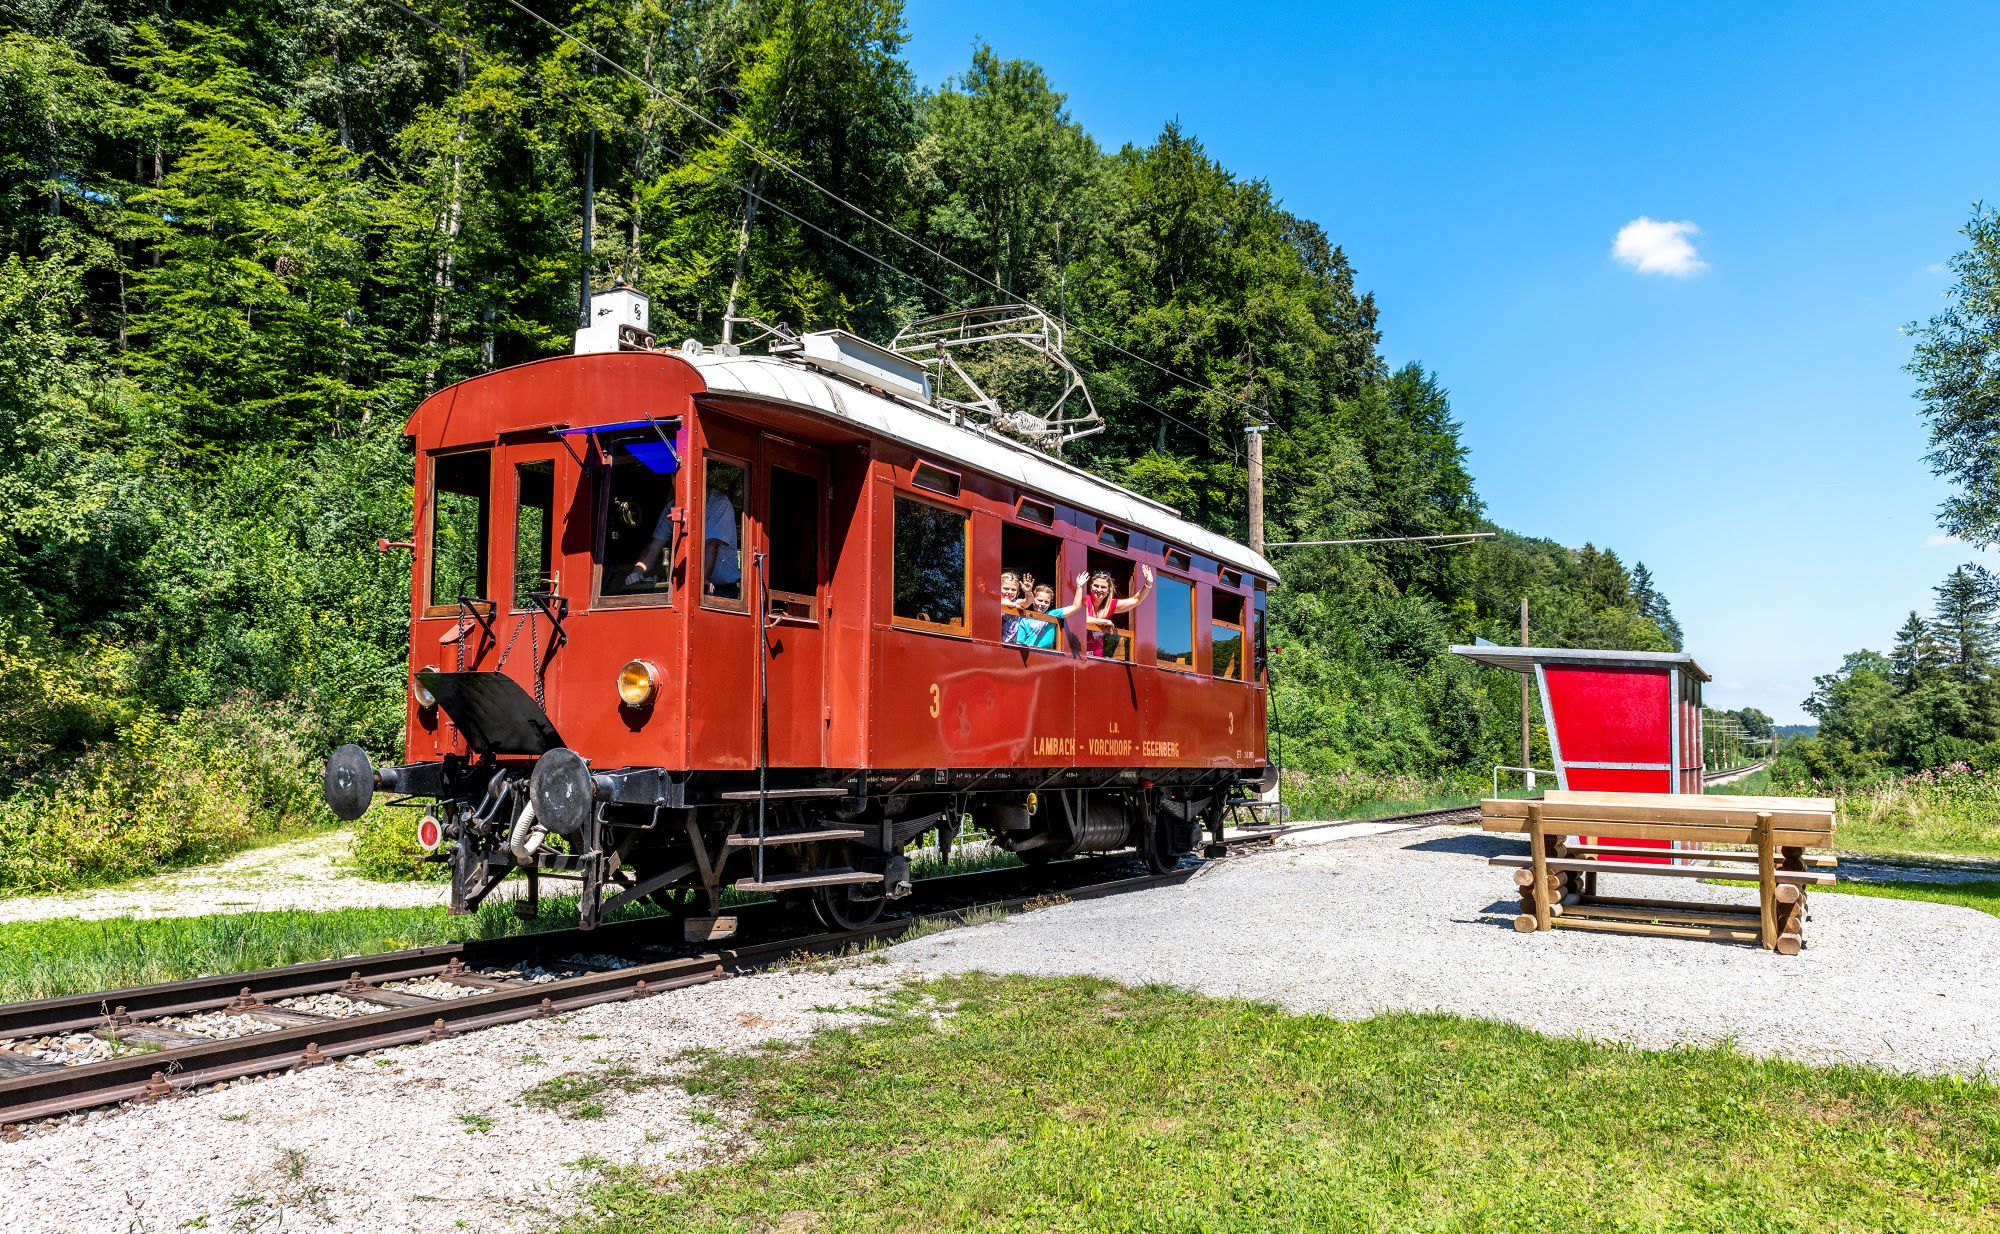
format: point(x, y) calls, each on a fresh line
point(1574, 837)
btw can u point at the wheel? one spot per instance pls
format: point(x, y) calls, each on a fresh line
point(838, 908)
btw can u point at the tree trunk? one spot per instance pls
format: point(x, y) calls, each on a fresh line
point(447, 258)
point(743, 224)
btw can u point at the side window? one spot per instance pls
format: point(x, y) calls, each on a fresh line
point(796, 502)
point(724, 487)
point(534, 516)
point(1225, 640)
point(637, 552)
point(1107, 637)
point(1257, 652)
point(1173, 617)
point(460, 484)
point(1031, 569)
point(930, 565)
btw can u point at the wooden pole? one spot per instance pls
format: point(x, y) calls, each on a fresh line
point(1767, 882)
point(1538, 854)
point(1256, 434)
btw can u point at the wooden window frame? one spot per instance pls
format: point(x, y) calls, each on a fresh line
point(822, 483)
point(1178, 559)
point(1240, 625)
point(1193, 664)
point(697, 575)
point(429, 538)
point(963, 629)
point(514, 540)
point(1117, 539)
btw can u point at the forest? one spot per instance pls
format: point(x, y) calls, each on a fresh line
point(244, 240)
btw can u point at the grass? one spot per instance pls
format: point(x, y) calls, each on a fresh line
point(45, 959)
point(579, 1095)
point(1080, 1105)
point(1983, 895)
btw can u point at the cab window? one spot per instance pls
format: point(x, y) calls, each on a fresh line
point(725, 485)
point(460, 485)
point(534, 517)
point(636, 550)
point(930, 565)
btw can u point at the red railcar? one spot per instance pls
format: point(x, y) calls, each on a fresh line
point(718, 619)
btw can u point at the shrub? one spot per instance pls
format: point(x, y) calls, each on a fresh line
point(163, 795)
point(385, 848)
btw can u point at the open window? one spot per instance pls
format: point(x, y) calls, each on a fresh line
point(930, 565)
point(797, 501)
point(725, 487)
point(460, 486)
point(1173, 622)
point(1035, 561)
point(1107, 637)
point(636, 548)
point(534, 520)
point(1225, 634)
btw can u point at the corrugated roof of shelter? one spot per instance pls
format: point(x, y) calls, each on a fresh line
point(929, 432)
point(1524, 659)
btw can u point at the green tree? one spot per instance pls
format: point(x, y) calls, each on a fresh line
point(1957, 366)
point(1964, 625)
point(1918, 654)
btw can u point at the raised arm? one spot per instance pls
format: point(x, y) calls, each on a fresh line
point(1138, 597)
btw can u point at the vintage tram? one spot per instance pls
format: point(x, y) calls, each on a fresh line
point(689, 619)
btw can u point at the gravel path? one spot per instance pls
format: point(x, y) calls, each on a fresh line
point(432, 1137)
point(311, 874)
point(1415, 920)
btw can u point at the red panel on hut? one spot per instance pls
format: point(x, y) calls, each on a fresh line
point(1618, 721)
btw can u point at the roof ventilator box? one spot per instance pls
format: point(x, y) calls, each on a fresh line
point(619, 321)
point(862, 362)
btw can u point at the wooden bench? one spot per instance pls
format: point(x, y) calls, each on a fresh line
point(1569, 847)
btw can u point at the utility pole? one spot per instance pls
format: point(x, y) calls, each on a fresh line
point(1256, 433)
point(1527, 702)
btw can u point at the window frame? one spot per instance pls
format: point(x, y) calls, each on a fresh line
point(484, 551)
point(1025, 504)
point(963, 627)
point(548, 534)
point(1240, 625)
point(696, 574)
point(1126, 623)
point(918, 472)
point(820, 487)
point(1193, 664)
point(604, 463)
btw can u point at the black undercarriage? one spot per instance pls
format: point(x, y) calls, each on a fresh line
point(837, 841)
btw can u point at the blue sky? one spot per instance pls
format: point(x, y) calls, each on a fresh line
point(1743, 426)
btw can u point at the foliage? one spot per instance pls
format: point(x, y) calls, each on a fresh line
point(167, 793)
point(1953, 809)
point(1078, 1104)
point(385, 848)
point(242, 243)
point(1957, 367)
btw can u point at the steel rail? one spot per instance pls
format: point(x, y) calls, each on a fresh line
point(66, 1089)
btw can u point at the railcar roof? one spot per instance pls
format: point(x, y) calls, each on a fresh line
point(1524, 659)
point(763, 377)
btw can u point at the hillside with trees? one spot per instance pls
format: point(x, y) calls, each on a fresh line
point(243, 241)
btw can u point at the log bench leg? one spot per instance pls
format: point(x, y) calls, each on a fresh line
point(1767, 883)
point(1791, 920)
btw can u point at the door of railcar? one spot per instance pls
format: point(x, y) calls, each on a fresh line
point(528, 585)
point(791, 530)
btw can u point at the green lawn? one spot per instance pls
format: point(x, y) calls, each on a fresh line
point(1983, 895)
point(1080, 1105)
point(43, 959)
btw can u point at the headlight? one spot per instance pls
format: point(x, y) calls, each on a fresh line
point(424, 697)
point(636, 683)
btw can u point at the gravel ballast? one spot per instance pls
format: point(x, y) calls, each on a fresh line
point(1415, 920)
point(433, 1137)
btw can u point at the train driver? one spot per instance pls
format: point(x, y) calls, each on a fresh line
point(649, 556)
point(721, 565)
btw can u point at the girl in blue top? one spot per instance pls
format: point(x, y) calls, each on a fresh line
point(1038, 626)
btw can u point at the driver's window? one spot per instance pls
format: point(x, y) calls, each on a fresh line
point(637, 551)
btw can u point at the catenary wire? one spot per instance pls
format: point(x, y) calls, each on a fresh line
point(599, 114)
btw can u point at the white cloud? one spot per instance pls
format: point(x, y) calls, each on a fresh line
point(1940, 539)
point(1651, 246)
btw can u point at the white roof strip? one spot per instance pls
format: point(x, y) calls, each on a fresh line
point(1524, 659)
point(934, 436)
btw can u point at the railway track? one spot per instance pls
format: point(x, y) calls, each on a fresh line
point(280, 1018)
point(168, 1038)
